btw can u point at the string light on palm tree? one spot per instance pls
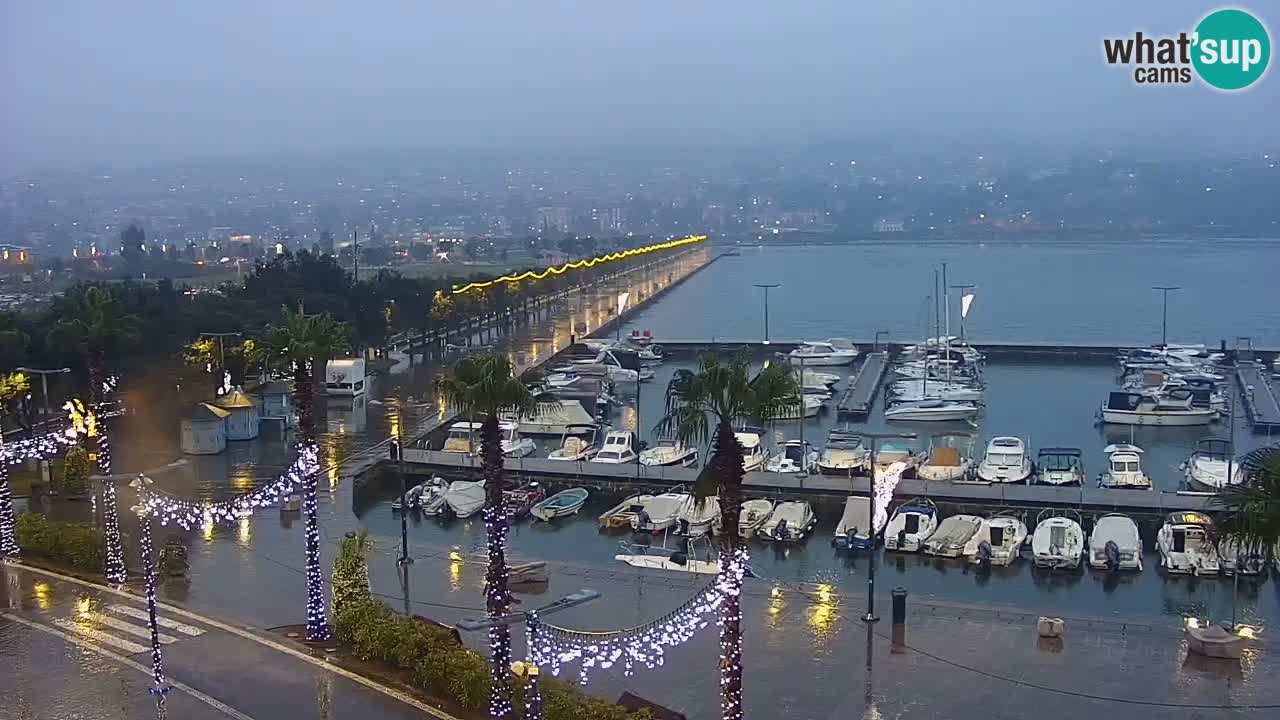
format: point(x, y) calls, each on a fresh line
point(160, 686)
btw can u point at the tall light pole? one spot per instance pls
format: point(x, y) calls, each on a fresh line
point(44, 391)
point(397, 444)
point(1164, 312)
point(875, 439)
point(767, 287)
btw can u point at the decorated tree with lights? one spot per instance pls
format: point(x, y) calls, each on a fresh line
point(704, 404)
point(295, 345)
point(486, 385)
point(1252, 516)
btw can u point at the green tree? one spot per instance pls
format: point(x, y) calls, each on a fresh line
point(1252, 507)
point(94, 320)
point(724, 393)
point(15, 397)
point(485, 385)
point(76, 469)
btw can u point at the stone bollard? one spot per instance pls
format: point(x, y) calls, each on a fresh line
point(899, 595)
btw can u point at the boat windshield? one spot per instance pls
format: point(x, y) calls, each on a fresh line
point(609, 455)
point(1004, 458)
point(1125, 466)
point(794, 452)
point(1059, 463)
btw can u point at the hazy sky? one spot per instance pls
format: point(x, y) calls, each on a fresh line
point(127, 81)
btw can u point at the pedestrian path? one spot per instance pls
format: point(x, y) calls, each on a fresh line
point(123, 627)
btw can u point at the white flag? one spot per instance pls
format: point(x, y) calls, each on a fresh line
point(622, 301)
point(965, 301)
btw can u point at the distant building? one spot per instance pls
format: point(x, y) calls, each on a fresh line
point(885, 226)
point(553, 218)
point(607, 220)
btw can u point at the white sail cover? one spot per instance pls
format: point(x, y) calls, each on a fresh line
point(966, 300)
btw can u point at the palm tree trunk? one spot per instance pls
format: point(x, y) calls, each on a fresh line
point(497, 595)
point(726, 466)
point(303, 397)
point(100, 446)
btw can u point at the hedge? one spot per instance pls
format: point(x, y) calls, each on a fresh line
point(76, 545)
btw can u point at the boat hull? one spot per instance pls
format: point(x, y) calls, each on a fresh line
point(1180, 419)
point(930, 414)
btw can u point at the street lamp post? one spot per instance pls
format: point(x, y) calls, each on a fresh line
point(1164, 312)
point(767, 287)
point(875, 439)
point(44, 391)
point(398, 443)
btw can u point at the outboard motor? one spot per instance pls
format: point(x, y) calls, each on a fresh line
point(851, 537)
point(984, 554)
point(683, 527)
point(642, 519)
point(1112, 551)
point(780, 531)
point(902, 539)
point(679, 558)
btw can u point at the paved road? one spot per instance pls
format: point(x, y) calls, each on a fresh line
point(84, 652)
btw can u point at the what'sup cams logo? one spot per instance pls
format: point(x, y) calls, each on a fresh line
point(1228, 50)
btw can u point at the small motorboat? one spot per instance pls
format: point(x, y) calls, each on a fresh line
point(998, 541)
point(933, 410)
point(518, 502)
point(752, 516)
point(664, 558)
point(817, 377)
point(790, 521)
point(1060, 466)
point(754, 455)
point(555, 418)
point(465, 497)
point(1006, 461)
point(563, 503)
point(1058, 541)
point(952, 535)
point(463, 438)
point(797, 456)
point(1186, 544)
point(1208, 465)
point(427, 497)
point(1124, 468)
point(947, 462)
point(618, 449)
point(514, 445)
point(1115, 544)
point(574, 447)
point(696, 519)
point(669, 453)
point(659, 512)
point(410, 498)
point(828, 353)
point(1176, 407)
point(809, 405)
point(622, 514)
point(911, 525)
point(1250, 563)
point(891, 452)
point(844, 454)
point(854, 531)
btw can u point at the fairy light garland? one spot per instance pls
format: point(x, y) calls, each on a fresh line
point(499, 597)
point(8, 535)
point(317, 620)
point(149, 567)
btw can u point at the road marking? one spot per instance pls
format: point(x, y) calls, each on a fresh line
point(128, 627)
point(94, 634)
point(165, 622)
point(298, 654)
point(127, 662)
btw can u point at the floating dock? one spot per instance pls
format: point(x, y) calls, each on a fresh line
point(858, 397)
point(1100, 500)
point(1260, 401)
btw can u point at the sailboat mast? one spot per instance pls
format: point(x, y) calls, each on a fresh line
point(947, 305)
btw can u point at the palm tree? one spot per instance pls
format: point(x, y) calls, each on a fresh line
point(485, 385)
point(1252, 508)
point(97, 322)
point(723, 393)
point(295, 345)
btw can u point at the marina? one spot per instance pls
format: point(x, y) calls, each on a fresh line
point(861, 392)
point(1260, 401)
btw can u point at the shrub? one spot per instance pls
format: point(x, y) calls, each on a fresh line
point(76, 469)
point(351, 570)
point(77, 545)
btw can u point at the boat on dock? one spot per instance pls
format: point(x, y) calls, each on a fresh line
point(1005, 461)
point(1251, 563)
point(1058, 542)
point(1124, 468)
point(790, 521)
point(562, 504)
point(465, 497)
point(1060, 466)
point(659, 512)
point(1208, 465)
point(832, 352)
point(624, 513)
point(936, 410)
point(573, 447)
point(754, 455)
point(515, 445)
point(752, 516)
point(1115, 544)
point(675, 560)
point(796, 456)
point(890, 453)
point(854, 531)
point(1173, 408)
point(518, 502)
point(1186, 544)
point(696, 518)
point(554, 418)
point(998, 541)
point(946, 461)
point(808, 405)
point(618, 449)
point(844, 454)
point(913, 523)
point(422, 495)
point(463, 438)
point(952, 535)
point(669, 453)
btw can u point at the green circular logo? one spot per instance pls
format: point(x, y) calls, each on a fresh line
point(1231, 49)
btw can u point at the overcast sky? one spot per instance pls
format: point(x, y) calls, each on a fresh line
point(128, 81)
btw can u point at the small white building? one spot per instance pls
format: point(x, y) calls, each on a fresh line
point(277, 402)
point(243, 420)
point(345, 376)
point(204, 430)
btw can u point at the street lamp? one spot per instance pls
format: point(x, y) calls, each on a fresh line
point(767, 287)
point(875, 439)
point(1164, 312)
point(397, 452)
point(531, 618)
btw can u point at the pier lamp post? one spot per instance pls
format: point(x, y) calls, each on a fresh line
point(528, 668)
point(875, 439)
point(767, 287)
point(1164, 312)
point(397, 447)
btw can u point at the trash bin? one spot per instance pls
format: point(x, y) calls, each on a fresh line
point(899, 595)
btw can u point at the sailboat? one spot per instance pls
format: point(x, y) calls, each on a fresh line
point(928, 408)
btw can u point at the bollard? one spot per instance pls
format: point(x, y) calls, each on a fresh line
point(899, 595)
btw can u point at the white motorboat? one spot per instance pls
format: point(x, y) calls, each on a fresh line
point(854, 531)
point(1250, 563)
point(555, 418)
point(931, 411)
point(463, 438)
point(812, 404)
point(560, 380)
point(817, 377)
point(952, 535)
point(1115, 544)
point(623, 514)
point(1124, 468)
point(946, 462)
point(615, 363)
point(997, 542)
point(1186, 544)
point(916, 390)
point(1060, 466)
point(669, 453)
point(696, 519)
point(432, 500)
point(663, 558)
point(790, 521)
point(829, 353)
point(891, 452)
point(514, 444)
point(1206, 469)
point(465, 497)
point(562, 504)
point(659, 512)
point(754, 455)
point(618, 449)
point(752, 516)
point(844, 454)
point(1006, 461)
point(575, 448)
point(796, 456)
point(1058, 541)
point(913, 522)
point(409, 499)
point(1173, 408)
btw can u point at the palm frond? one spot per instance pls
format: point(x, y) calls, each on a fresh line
point(1252, 508)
